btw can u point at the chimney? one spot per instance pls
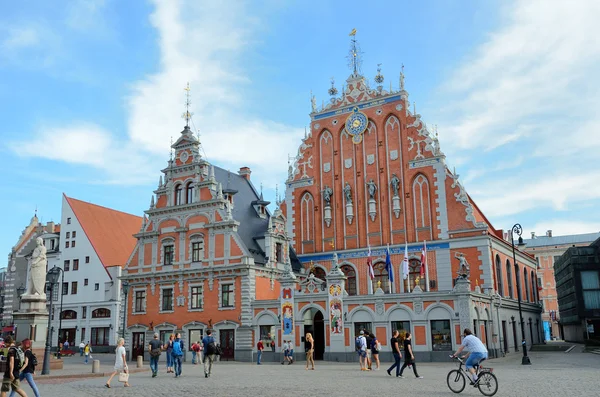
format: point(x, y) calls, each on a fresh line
point(532, 235)
point(549, 233)
point(245, 172)
point(50, 227)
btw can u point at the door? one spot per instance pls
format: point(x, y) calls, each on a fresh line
point(137, 348)
point(227, 341)
point(67, 334)
point(504, 337)
point(485, 332)
point(319, 335)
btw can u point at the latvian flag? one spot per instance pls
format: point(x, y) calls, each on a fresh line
point(370, 265)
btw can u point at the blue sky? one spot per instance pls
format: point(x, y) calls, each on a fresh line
point(91, 93)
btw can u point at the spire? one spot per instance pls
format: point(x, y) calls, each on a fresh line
point(187, 115)
point(219, 191)
point(152, 202)
point(354, 59)
point(212, 173)
point(270, 225)
point(160, 181)
point(402, 78)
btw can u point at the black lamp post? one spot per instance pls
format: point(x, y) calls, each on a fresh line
point(51, 278)
point(20, 291)
point(517, 229)
point(125, 285)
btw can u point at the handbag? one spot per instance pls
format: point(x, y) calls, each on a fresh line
point(124, 377)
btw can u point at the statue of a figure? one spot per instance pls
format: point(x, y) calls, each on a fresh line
point(313, 102)
point(335, 262)
point(395, 182)
point(37, 269)
point(348, 193)
point(463, 267)
point(327, 193)
point(372, 189)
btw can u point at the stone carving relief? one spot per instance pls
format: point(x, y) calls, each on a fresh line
point(348, 163)
point(418, 307)
point(393, 155)
point(379, 307)
point(461, 197)
point(326, 167)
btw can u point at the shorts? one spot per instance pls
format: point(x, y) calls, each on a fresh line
point(362, 353)
point(286, 353)
point(7, 384)
point(475, 358)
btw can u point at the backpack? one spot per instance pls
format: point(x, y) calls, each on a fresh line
point(33, 360)
point(358, 344)
point(177, 348)
point(211, 347)
point(19, 358)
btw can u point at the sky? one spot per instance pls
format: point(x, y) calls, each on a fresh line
point(92, 92)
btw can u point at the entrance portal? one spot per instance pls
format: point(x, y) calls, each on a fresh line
point(314, 323)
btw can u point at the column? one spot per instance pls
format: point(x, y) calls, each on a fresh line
point(335, 291)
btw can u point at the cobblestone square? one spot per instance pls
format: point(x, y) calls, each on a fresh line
point(551, 374)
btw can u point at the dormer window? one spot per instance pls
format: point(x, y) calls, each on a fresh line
point(260, 206)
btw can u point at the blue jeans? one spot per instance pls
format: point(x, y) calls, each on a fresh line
point(396, 364)
point(81, 351)
point(169, 359)
point(474, 359)
point(194, 357)
point(29, 377)
point(154, 364)
point(177, 365)
point(258, 356)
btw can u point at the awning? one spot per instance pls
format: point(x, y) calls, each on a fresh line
point(8, 329)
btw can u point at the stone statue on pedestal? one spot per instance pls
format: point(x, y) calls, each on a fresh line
point(37, 270)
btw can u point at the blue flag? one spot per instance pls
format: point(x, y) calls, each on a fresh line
point(388, 265)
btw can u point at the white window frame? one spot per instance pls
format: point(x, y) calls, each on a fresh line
point(164, 242)
point(160, 299)
point(190, 286)
point(221, 283)
point(133, 303)
point(196, 238)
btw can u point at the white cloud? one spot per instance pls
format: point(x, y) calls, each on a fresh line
point(18, 38)
point(561, 227)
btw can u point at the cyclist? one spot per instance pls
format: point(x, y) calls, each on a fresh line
point(476, 352)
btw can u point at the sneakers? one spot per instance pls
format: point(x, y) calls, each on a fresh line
point(419, 377)
point(206, 374)
point(389, 373)
point(400, 376)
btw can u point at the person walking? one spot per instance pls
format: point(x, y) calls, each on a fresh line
point(477, 352)
point(409, 357)
point(177, 354)
point(311, 351)
point(285, 350)
point(155, 349)
point(259, 349)
point(375, 347)
point(29, 370)
point(361, 350)
point(15, 360)
point(394, 343)
point(369, 351)
point(210, 351)
point(81, 347)
point(196, 353)
point(291, 351)
point(120, 363)
point(169, 349)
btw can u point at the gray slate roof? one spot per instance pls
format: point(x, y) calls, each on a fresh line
point(252, 227)
point(544, 241)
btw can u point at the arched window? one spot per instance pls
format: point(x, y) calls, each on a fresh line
point(189, 193)
point(533, 288)
point(421, 202)
point(414, 271)
point(499, 286)
point(68, 315)
point(509, 279)
point(101, 313)
point(350, 279)
point(518, 281)
point(307, 216)
point(381, 274)
point(178, 193)
point(319, 273)
point(525, 284)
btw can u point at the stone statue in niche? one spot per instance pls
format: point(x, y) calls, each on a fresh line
point(372, 189)
point(327, 193)
point(348, 193)
point(37, 269)
point(395, 183)
point(463, 267)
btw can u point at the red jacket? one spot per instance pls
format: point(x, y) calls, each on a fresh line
point(259, 345)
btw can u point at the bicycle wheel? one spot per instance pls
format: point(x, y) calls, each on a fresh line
point(488, 384)
point(456, 381)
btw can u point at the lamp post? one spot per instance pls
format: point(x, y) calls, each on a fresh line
point(498, 306)
point(125, 285)
point(52, 279)
point(518, 229)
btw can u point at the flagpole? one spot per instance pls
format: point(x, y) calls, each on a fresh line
point(391, 270)
point(426, 268)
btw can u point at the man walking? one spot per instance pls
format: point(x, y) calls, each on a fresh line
point(155, 348)
point(477, 352)
point(361, 349)
point(14, 362)
point(396, 353)
point(81, 347)
point(259, 349)
point(210, 350)
point(177, 354)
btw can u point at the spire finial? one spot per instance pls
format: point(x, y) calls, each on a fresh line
point(402, 78)
point(171, 150)
point(277, 194)
point(305, 133)
point(354, 59)
point(379, 77)
point(333, 91)
point(187, 115)
point(414, 108)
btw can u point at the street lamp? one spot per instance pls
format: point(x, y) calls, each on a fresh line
point(20, 291)
point(125, 285)
point(51, 278)
point(518, 229)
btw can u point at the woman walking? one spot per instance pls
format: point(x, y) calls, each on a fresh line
point(86, 351)
point(28, 371)
point(169, 349)
point(120, 362)
point(395, 344)
point(375, 347)
point(409, 357)
point(311, 351)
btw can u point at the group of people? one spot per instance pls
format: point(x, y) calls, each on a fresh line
point(367, 347)
point(399, 342)
point(20, 365)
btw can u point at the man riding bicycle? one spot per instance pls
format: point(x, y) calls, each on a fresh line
point(476, 352)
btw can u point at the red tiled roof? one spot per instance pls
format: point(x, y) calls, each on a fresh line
point(110, 232)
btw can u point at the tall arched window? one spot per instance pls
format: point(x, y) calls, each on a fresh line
point(189, 193)
point(526, 285)
point(319, 273)
point(534, 287)
point(500, 285)
point(421, 202)
point(307, 217)
point(414, 271)
point(509, 280)
point(350, 279)
point(178, 193)
point(68, 315)
point(381, 274)
point(518, 281)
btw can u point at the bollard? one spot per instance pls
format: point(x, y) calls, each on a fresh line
point(140, 361)
point(95, 366)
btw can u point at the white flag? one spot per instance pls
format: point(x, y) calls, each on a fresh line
point(405, 262)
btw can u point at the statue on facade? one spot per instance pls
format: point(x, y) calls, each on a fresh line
point(395, 183)
point(372, 189)
point(37, 269)
point(348, 193)
point(327, 193)
point(313, 102)
point(463, 267)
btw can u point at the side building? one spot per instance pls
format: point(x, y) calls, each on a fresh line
point(577, 274)
point(547, 249)
point(95, 243)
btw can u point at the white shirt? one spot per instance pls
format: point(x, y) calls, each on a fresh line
point(285, 346)
point(119, 359)
point(363, 342)
point(473, 344)
point(81, 345)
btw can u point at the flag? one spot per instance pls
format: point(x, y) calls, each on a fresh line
point(388, 265)
point(370, 265)
point(405, 262)
point(423, 259)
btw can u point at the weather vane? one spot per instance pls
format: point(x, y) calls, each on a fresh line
point(187, 115)
point(354, 59)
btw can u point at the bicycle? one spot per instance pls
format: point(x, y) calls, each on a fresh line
point(487, 383)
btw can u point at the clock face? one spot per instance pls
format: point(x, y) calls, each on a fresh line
point(184, 156)
point(356, 124)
